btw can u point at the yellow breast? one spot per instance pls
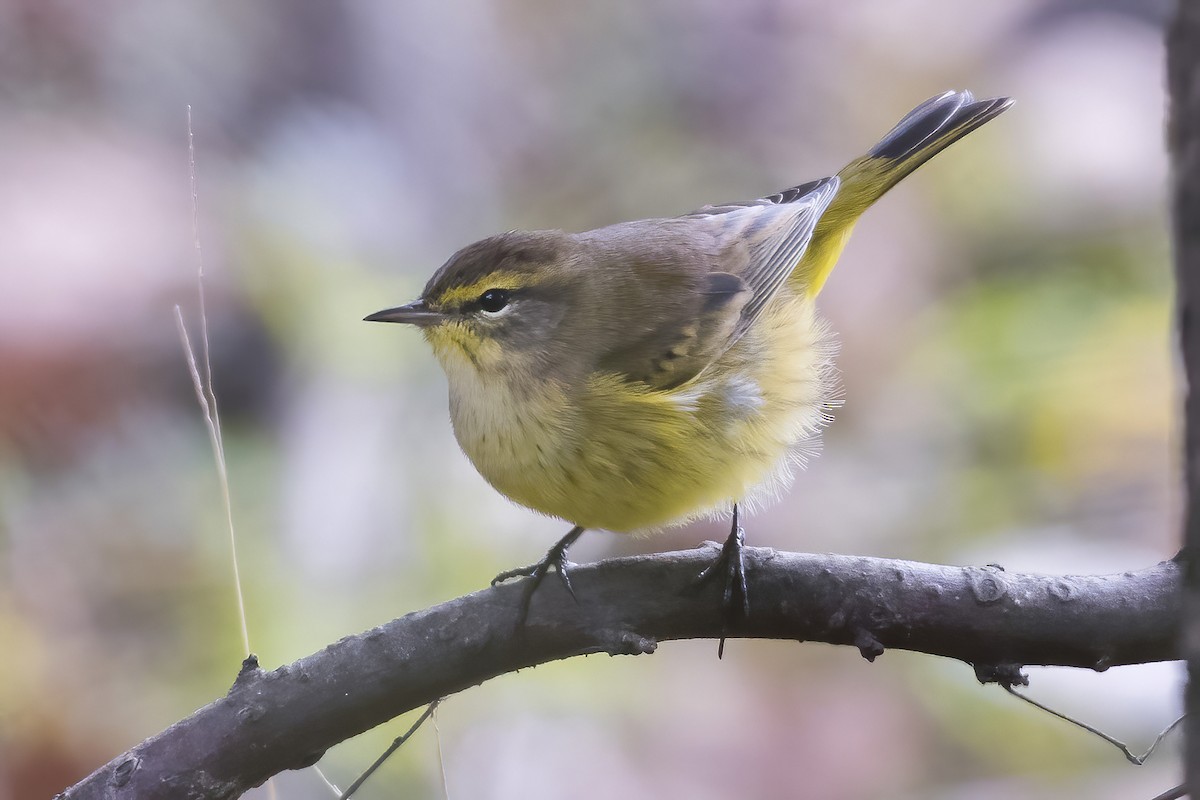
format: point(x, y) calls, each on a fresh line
point(626, 457)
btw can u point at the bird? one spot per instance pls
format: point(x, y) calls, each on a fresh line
point(642, 374)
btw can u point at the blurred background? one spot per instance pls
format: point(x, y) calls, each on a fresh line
point(1006, 354)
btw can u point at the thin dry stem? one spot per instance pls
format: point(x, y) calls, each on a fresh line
point(1115, 742)
point(395, 745)
point(204, 387)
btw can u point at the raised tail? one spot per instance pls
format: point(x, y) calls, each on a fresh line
point(923, 133)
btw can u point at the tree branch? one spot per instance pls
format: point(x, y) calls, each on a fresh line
point(992, 619)
point(1183, 138)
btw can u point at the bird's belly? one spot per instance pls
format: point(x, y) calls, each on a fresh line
point(626, 457)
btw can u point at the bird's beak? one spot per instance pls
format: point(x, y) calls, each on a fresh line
point(415, 313)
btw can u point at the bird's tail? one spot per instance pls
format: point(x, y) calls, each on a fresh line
point(923, 133)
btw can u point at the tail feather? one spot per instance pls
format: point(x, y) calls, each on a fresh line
point(929, 129)
point(923, 133)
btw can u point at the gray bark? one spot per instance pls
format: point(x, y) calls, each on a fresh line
point(996, 621)
point(1183, 134)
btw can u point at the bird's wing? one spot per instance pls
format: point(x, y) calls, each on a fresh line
point(688, 322)
point(679, 337)
point(774, 232)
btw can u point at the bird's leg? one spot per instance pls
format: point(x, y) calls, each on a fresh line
point(556, 557)
point(732, 563)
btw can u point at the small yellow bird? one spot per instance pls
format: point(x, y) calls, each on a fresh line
point(639, 375)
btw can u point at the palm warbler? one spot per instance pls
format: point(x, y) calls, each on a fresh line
point(639, 375)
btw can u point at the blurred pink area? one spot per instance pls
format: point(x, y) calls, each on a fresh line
point(1006, 352)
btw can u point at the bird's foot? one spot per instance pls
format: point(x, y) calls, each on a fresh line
point(731, 562)
point(555, 558)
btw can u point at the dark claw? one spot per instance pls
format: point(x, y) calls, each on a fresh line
point(555, 557)
point(731, 561)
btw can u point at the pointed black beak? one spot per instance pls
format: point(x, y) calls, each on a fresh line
point(416, 313)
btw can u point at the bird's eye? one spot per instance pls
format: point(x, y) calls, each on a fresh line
point(493, 300)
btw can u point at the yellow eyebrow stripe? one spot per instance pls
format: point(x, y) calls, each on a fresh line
point(457, 295)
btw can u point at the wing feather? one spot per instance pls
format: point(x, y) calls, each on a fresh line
point(752, 249)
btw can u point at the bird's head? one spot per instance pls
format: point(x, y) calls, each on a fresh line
point(496, 307)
